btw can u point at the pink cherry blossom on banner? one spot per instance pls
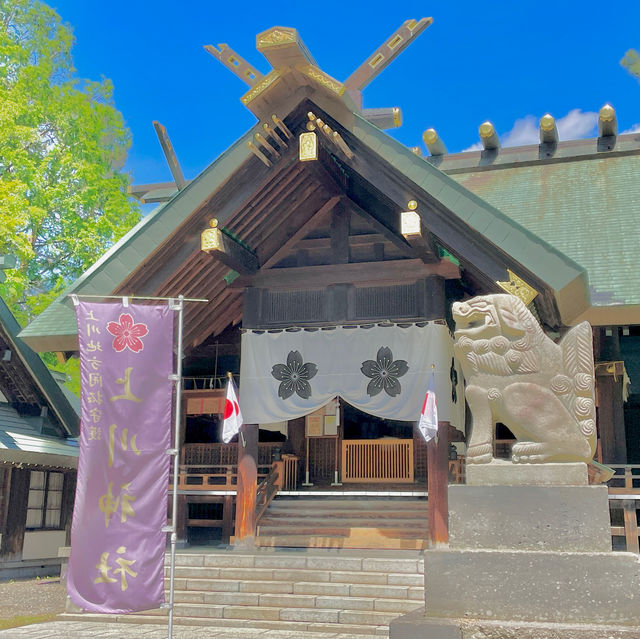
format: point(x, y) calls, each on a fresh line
point(127, 334)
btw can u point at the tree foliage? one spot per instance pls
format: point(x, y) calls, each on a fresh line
point(631, 62)
point(63, 144)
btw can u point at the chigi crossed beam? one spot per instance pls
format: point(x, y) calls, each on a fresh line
point(283, 49)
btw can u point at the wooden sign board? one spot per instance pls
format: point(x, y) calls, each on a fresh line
point(205, 405)
point(315, 425)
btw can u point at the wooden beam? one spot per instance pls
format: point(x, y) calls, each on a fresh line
point(385, 54)
point(138, 190)
point(170, 155)
point(383, 229)
point(231, 253)
point(415, 233)
point(287, 244)
point(235, 63)
point(340, 219)
point(391, 271)
point(324, 243)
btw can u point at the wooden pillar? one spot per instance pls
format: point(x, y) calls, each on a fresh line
point(437, 486)
point(13, 537)
point(68, 495)
point(227, 519)
point(609, 384)
point(438, 447)
point(182, 517)
point(247, 485)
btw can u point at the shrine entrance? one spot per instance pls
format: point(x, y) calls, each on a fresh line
point(376, 450)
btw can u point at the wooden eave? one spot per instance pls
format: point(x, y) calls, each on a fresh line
point(262, 206)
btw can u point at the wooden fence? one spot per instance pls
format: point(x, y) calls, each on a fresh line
point(377, 460)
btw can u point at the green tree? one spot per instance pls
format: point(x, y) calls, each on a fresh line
point(63, 144)
point(631, 62)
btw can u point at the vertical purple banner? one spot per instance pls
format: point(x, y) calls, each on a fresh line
point(117, 544)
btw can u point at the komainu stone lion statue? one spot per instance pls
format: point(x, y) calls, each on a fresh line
point(543, 392)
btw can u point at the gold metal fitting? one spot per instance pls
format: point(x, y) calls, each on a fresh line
point(547, 122)
point(607, 113)
point(486, 129)
point(412, 205)
point(430, 136)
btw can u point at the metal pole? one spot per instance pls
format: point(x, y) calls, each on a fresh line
point(176, 461)
point(136, 297)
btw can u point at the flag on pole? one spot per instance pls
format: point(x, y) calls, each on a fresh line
point(232, 415)
point(428, 423)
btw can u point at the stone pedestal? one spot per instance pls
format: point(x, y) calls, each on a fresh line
point(527, 561)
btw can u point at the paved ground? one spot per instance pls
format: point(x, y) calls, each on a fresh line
point(31, 597)
point(77, 629)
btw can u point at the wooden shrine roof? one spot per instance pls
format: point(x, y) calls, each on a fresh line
point(487, 216)
point(261, 205)
point(26, 382)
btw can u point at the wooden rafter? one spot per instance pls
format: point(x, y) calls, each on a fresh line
point(386, 53)
point(235, 63)
point(301, 232)
point(221, 246)
point(170, 155)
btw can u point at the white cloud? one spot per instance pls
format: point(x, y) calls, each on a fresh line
point(577, 124)
point(524, 131)
point(634, 129)
point(477, 146)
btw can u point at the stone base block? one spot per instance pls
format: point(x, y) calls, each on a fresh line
point(501, 472)
point(594, 588)
point(416, 626)
point(558, 518)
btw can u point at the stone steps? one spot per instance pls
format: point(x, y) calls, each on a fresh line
point(320, 522)
point(354, 592)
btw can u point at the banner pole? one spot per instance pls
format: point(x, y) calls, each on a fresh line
point(176, 461)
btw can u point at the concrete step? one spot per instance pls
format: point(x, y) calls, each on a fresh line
point(340, 602)
point(193, 578)
point(381, 562)
point(297, 592)
point(299, 629)
point(256, 588)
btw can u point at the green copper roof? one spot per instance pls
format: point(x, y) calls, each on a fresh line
point(587, 208)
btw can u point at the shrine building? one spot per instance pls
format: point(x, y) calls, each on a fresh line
point(330, 255)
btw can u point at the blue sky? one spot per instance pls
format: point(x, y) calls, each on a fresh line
point(506, 61)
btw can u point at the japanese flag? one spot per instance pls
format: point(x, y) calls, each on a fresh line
point(232, 415)
point(428, 423)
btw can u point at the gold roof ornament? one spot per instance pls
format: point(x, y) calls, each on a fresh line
point(308, 146)
point(488, 136)
point(518, 287)
point(548, 130)
point(210, 239)
point(433, 142)
point(607, 121)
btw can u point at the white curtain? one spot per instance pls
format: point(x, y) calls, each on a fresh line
point(382, 370)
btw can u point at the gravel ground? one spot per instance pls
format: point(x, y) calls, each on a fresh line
point(31, 597)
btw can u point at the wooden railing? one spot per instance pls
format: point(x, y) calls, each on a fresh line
point(289, 472)
point(624, 494)
point(268, 489)
point(377, 460)
point(215, 454)
point(212, 477)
